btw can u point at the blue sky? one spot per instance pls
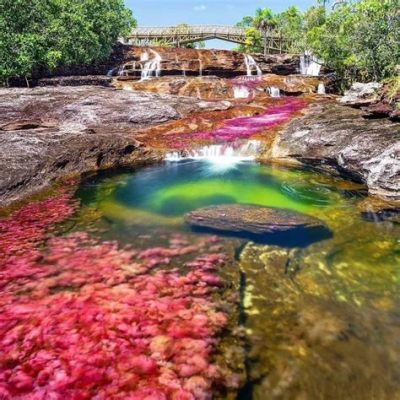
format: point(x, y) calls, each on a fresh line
point(222, 12)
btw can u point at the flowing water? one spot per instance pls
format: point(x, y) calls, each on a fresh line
point(106, 293)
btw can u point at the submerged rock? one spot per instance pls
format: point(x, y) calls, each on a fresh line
point(261, 224)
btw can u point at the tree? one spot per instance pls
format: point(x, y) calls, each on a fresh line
point(359, 40)
point(290, 25)
point(264, 21)
point(51, 33)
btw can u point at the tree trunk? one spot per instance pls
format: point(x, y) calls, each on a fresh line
point(265, 43)
point(27, 81)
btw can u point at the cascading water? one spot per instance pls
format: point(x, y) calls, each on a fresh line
point(274, 91)
point(251, 65)
point(309, 65)
point(221, 156)
point(321, 89)
point(241, 92)
point(110, 72)
point(152, 65)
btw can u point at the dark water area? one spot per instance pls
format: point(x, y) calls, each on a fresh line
point(112, 295)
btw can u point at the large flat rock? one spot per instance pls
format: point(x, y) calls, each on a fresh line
point(251, 219)
point(48, 133)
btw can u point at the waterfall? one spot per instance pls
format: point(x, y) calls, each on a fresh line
point(274, 91)
point(110, 72)
point(223, 155)
point(321, 89)
point(200, 67)
point(251, 64)
point(241, 92)
point(309, 65)
point(152, 65)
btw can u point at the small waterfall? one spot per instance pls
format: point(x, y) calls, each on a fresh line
point(224, 155)
point(241, 92)
point(110, 72)
point(152, 65)
point(321, 89)
point(309, 65)
point(251, 65)
point(274, 91)
point(200, 67)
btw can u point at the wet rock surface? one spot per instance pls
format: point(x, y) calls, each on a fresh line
point(195, 62)
point(253, 222)
point(339, 140)
point(48, 133)
point(215, 88)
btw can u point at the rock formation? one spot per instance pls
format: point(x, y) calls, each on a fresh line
point(48, 133)
point(254, 222)
point(339, 140)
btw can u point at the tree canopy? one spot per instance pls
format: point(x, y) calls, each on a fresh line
point(51, 33)
point(358, 39)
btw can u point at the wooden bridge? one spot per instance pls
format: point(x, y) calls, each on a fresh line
point(176, 36)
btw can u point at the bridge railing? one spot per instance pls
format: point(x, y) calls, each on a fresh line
point(190, 29)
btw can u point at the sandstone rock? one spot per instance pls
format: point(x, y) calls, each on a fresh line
point(250, 219)
point(97, 80)
point(338, 140)
point(193, 62)
point(361, 94)
point(48, 133)
point(215, 88)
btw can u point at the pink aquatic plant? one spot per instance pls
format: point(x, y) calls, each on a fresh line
point(244, 127)
point(82, 319)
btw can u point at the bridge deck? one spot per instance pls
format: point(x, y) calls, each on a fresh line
point(180, 35)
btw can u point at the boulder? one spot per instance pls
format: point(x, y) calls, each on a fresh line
point(339, 140)
point(253, 222)
point(361, 94)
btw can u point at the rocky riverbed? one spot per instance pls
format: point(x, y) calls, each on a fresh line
point(50, 133)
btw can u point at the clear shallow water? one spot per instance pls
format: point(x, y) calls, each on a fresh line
point(120, 285)
point(321, 321)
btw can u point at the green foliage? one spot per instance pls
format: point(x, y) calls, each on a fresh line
point(51, 33)
point(290, 24)
point(359, 40)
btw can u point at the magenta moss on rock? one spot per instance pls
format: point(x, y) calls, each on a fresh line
point(244, 127)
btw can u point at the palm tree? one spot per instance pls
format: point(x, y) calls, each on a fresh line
point(264, 21)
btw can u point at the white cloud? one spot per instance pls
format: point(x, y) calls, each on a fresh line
point(201, 7)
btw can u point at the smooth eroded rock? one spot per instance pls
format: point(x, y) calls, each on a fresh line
point(339, 140)
point(253, 222)
point(49, 133)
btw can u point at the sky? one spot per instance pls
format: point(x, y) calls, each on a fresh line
point(206, 12)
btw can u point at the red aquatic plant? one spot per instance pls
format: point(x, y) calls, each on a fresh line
point(82, 319)
point(244, 127)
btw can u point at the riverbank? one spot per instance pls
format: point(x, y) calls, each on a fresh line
point(51, 133)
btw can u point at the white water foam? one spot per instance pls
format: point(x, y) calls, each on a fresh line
point(251, 65)
point(309, 65)
point(221, 157)
point(241, 92)
point(321, 89)
point(152, 64)
point(274, 91)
